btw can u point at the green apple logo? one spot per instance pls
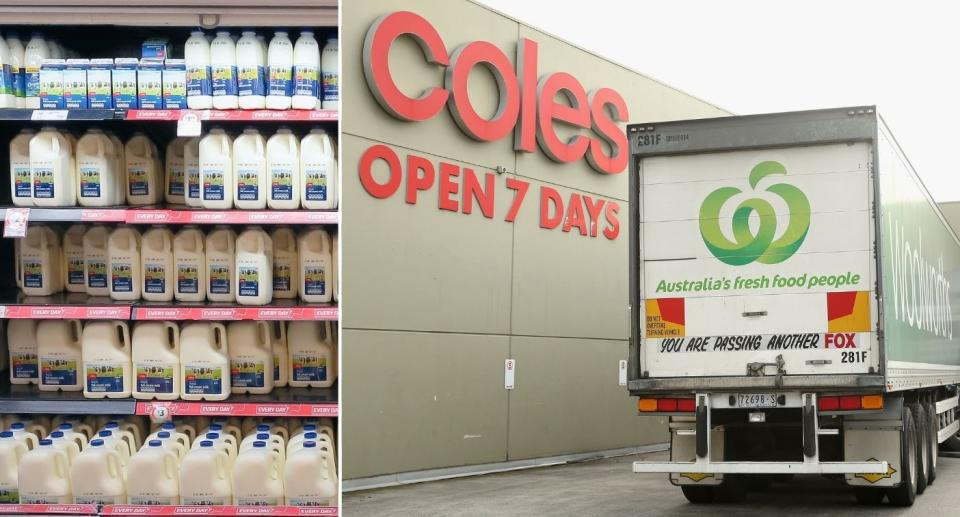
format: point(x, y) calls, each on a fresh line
point(747, 246)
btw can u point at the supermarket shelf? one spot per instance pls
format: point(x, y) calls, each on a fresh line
point(26, 398)
point(16, 305)
point(55, 115)
point(237, 115)
point(276, 511)
point(282, 310)
point(71, 214)
point(179, 215)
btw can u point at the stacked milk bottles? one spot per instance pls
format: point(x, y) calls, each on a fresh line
point(279, 71)
point(204, 361)
point(250, 170)
point(52, 168)
point(197, 57)
point(106, 350)
point(306, 70)
point(97, 170)
point(156, 360)
point(223, 62)
point(21, 180)
point(250, 71)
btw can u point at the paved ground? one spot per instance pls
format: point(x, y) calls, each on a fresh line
point(608, 487)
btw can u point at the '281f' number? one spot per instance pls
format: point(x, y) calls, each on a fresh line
point(853, 357)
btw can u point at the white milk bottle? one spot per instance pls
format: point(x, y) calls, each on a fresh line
point(196, 53)
point(22, 342)
point(41, 262)
point(96, 476)
point(312, 359)
point(96, 170)
point(334, 274)
point(52, 169)
point(121, 435)
point(306, 72)
point(21, 181)
point(283, 170)
point(261, 432)
point(318, 168)
point(144, 177)
point(17, 52)
point(36, 51)
point(250, 170)
point(96, 255)
point(205, 477)
point(310, 477)
point(74, 429)
point(279, 71)
point(229, 427)
point(250, 72)
point(286, 263)
point(21, 434)
point(223, 63)
point(44, 475)
point(316, 262)
point(58, 349)
point(216, 170)
point(221, 264)
point(106, 359)
point(126, 277)
point(190, 265)
point(73, 258)
point(222, 441)
point(157, 264)
point(330, 75)
point(251, 357)
point(258, 477)
point(170, 443)
point(175, 172)
point(8, 98)
point(156, 360)
point(281, 356)
point(254, 271)
point(153, 476)
point(191, 163)
point(119, 169)
point(204, 361)
point(115, 443)
point(11, 451)
point(173, 434)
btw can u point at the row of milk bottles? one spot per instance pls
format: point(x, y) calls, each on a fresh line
point(20, 68)
point(247, 73)
point(251, 268)
point(164, 361)
point(223, 462)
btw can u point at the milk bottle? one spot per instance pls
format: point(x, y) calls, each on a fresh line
point(216, 170)
point(33, 56)
point(58, 349)
point(221, 264)
point(96, 476)
point(41, 262)
point(11, 451)
point(96, 256)
point(250, 170)
point(281, 356)
point(52, 169)
point(223, 61)
point(96, 170)
point(44, 475)
point(8, 98)
point(119, 169)
point(312, 359)
point(73, 258)
point(229, 427)
point(204, 362)
point(222, 441)
point(21, 181)
point(258, 477)
point(157, 264)
point(153, 476)
point(330, 75)
point(191, 163)
point(251, 357)
point(73, 429)
point(126, 277)
point(175, 172)
point(310, 477)
point(106, 359)
point(190, 265)
point(122, 435)
point(286, 263)
point(144, 175)
point(279, 71)
point(250, 72)
point(196, 53)
point(306, 70)
point(283, 169)
point(254, 272)
point(169, 432)
point(318, 167)
point(316, 261)
point(19, 73)
point(21, 434)
point(334, 271)
point(22, 342)
point(205, 477)
point(156, 360)
point(261, 432)
point(115, 443)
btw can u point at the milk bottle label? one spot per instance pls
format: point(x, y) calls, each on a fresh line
point(9, 85)
point(9, 497)
point(259, 501)
point(219, 279)
point(315, 174)
point(154, 277)
point(250, 81)
point(203, 380)
point(309, 367)
point(58, 372)
point(224, 80)
point(205, 500)
point(315, 279)
point(43, 182)
point(154, 379)
point(331, 86)
point(32, 81)
point(213, 185)
point(188, 279)
point(281, 182)
point(96, 273)
point(25, 366)
point(22, 180)
point(175, 188)
point(249, 280)
point(308, 501)
point(152, 500)
point(89, 181)
point(193, 179)
point(32, 273)
point(248, 186)
point(305, 80)
point(281, 276)
point(20, 82)
point(121, 276)
point(198, 81)
point(139, 181)
point(247, 374)
point(281, 81)
point(75, 270)
point(104, 378)
point(98, 499)
point(41, 499)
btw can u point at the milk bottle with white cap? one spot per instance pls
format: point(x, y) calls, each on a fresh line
point(279, 71)
point(251, 357)
point(250, 72)
point(97, 256)
point(196, 53)
point(17, 52)
point(330, 75)
point(44, 475)
point(106, 359)
point(157, 264)
point(52, 169)
point(36, 51)
point(216, 170)
point(58, 349)
point(318, 167)
point(221, 265)
point(306, 71)
point(153, 476)
point(204, 361)
point(250, 170)
point(156, 360)
point(22, 340)
point(175, 172)
point(21, 181)
point(126, 275)
point(283, 170)
point(223, 64)
point(189, 263)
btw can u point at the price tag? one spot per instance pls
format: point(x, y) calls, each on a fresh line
point(189, 124)
point(509, 369)
point(623, 372)
point(15, 222)
point(49, 115)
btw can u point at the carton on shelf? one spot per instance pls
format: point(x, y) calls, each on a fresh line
point(154, 48)
point(125, 82)
point(175, 84)
point(150, 84)
point(75, 84)
point(51, 84)
point(99, 83)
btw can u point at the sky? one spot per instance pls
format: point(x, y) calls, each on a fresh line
point(749, 56)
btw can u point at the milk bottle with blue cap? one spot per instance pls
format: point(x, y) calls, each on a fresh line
point(258, 477)
point(11, 451)
point(44, 475)
point(205, 476)
point(96, 475)
point(153, 476)
point(310, 477)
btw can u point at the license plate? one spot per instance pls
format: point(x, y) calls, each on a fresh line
point(756, 400)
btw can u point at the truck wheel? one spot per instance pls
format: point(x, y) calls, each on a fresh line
point(923, 448)
point(697, 494)
point(934, 442)
point(732, 490)
point(905, 494)
point(868, 496)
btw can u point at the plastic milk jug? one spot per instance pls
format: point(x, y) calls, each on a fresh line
point(272, 443)
point(229, 427)
point(22, 343)
point(122, 435)
point(126, 277)
point(250, 72)
point(318, 169)
point(251, 357)
point(310, 477)
point(144, 174)
point(261, 432)
point(116, 443)
point(205, 477)
point(21, 181)
point(279, 71)
point(170, 443)
point(52, 169)
point(74, 430)
point(96, 476)
point(96, 170)
point(36, 424)
point(204, 361)
point(58, 349)
point(258, 477)
point(156, 360)
point(96, 256)
point(250, 170)
point(283, 170)
point(312, 359)
point(216, 170)
point(73, 258)
point(189, 265)
point(44, 475)
point(225, 442)
point(286, 263)
point(254, 270)
point(36, 51)
point(157, 264)
point(281, 356)
point(191, 164)
point(21, 434)
point(19, 74)
point(106, 359)
point(40, 262)
point(153, 476)
point(11, 451)
point(316, 264)
point(196, 53)
point(306, 71)
point(330, 75)
point(221, 264)
point(223, 64)
point(175, 172)
point(8, 98)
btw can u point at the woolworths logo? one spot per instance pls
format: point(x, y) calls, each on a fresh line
point(749, 245)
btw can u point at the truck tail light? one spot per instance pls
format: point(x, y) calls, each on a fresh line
point(849, 402)
point(666, 405)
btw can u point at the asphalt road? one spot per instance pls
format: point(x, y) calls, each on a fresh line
point(608, 487)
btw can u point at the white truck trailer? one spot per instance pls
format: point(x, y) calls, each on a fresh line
point(791, 288)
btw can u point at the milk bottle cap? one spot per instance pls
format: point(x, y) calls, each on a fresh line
point(279, 32)
point(263, 428)
point(96, 443)
point(46, 442)
point(310, 427)
point(6, 434)
point(155, 443)
point(310, 436)
point(309, 445)
point(305, 32)
point(65, 425)
point(105, 434)
point(263, 436)
point(196, 32)
point(247, 32)
point(212, 436)
point(216, 427)
point(56, 434)
point(168, 425)
point(223, 33)
point(16, 426)
point(111, 425)
point(206, 443)
point(259, 444)
point(162, 435)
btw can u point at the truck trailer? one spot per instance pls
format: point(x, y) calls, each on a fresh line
point(791, 287)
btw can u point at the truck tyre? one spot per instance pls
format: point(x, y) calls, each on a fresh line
point(923, 447)
point(732, 490)
point(869, 496)
point(906, 493)
point(698, 494)
point(934, 443)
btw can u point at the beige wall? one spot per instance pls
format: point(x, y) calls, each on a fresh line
point(435, 301)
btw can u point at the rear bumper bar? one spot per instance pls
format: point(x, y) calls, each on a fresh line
point(761, 467)
point(693, 384)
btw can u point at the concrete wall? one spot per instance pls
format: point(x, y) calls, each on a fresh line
point(436, 301)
